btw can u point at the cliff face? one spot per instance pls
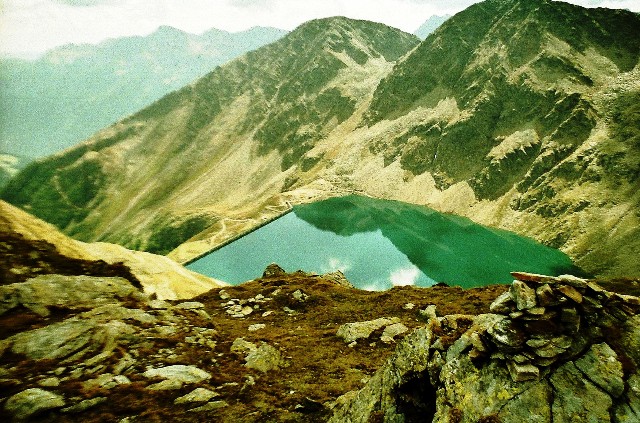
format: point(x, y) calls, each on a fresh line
point(521, 115)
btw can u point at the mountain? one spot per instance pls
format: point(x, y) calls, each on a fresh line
point(9, 166)
point(430, 25)
point(83, 88)
point(518, 114)
point(243, 128)
point(31, 247)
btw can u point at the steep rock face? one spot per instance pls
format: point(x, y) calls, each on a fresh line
point(83, 88)
point(521, 115)
point(174, 164)
point(558, 349)
point(31, 247)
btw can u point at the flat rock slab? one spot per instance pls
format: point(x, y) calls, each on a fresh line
point(180, 373)
point(362, 330)
point(28, 403)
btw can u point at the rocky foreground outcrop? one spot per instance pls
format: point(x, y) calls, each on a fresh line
point(293, 347)
point(553, 350)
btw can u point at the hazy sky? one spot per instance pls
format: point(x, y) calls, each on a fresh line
point(30, 27)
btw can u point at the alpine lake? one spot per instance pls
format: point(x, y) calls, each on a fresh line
point(379, 244)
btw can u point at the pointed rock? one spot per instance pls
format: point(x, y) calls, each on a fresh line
point(523, 295)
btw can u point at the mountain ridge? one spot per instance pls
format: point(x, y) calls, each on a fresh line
point(528, 132)
point(86, 87)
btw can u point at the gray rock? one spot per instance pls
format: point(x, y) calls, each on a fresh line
point(601, 366)
point(576, 399)
point(264, 358)
point(503, 304)
point(392, 331)
point(72, 292)
point(181, 373)
point(210, 406)
point(522, 372)
point(350, 332)
point(256, 327)
point(523, 295)
point(197, 395)
point(31, 402)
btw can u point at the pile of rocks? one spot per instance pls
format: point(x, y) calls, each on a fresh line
point(549, 319)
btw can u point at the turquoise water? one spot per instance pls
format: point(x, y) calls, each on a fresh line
point(379, 244)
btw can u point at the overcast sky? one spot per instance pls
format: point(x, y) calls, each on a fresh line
point(30, 27)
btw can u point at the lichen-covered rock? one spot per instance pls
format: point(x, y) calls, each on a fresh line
point(391, 331)
point(197, 395)
point(31, 402)
point(350, 332)
point(264, 358)
point(72, 292)
point(273, 270)
point(67, 339)
point(181, 373)
point(601, 366)
point(529, 363)
point(523, 295)
point(576, 398)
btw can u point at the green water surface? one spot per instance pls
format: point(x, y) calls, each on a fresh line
point(379, 244)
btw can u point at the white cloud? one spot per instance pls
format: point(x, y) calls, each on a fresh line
point(405, 276)
point(336, 264)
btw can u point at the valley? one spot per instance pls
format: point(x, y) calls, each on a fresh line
point(529, 131)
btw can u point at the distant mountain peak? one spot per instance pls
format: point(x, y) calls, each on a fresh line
point(430, 25)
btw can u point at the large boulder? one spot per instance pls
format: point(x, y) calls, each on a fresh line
point(32, 402)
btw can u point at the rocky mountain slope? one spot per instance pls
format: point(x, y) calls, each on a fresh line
point(517, 114)
point(83, 88)
point(242, 129)
point(30, 247)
